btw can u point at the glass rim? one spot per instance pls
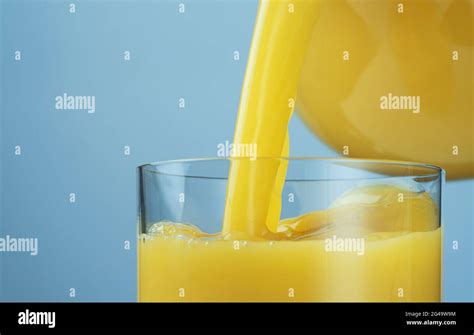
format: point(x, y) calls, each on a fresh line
point(430, 171)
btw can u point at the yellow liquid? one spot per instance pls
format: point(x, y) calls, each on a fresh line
point(404, 267)
point(257, 257)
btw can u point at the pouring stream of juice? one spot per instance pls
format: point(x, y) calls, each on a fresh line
point(280, 39)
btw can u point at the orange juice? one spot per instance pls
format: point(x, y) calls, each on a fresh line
point(199, 269)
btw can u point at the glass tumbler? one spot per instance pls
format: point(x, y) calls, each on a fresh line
point(348, 230)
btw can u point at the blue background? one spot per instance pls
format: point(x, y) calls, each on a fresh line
point(173, 55)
